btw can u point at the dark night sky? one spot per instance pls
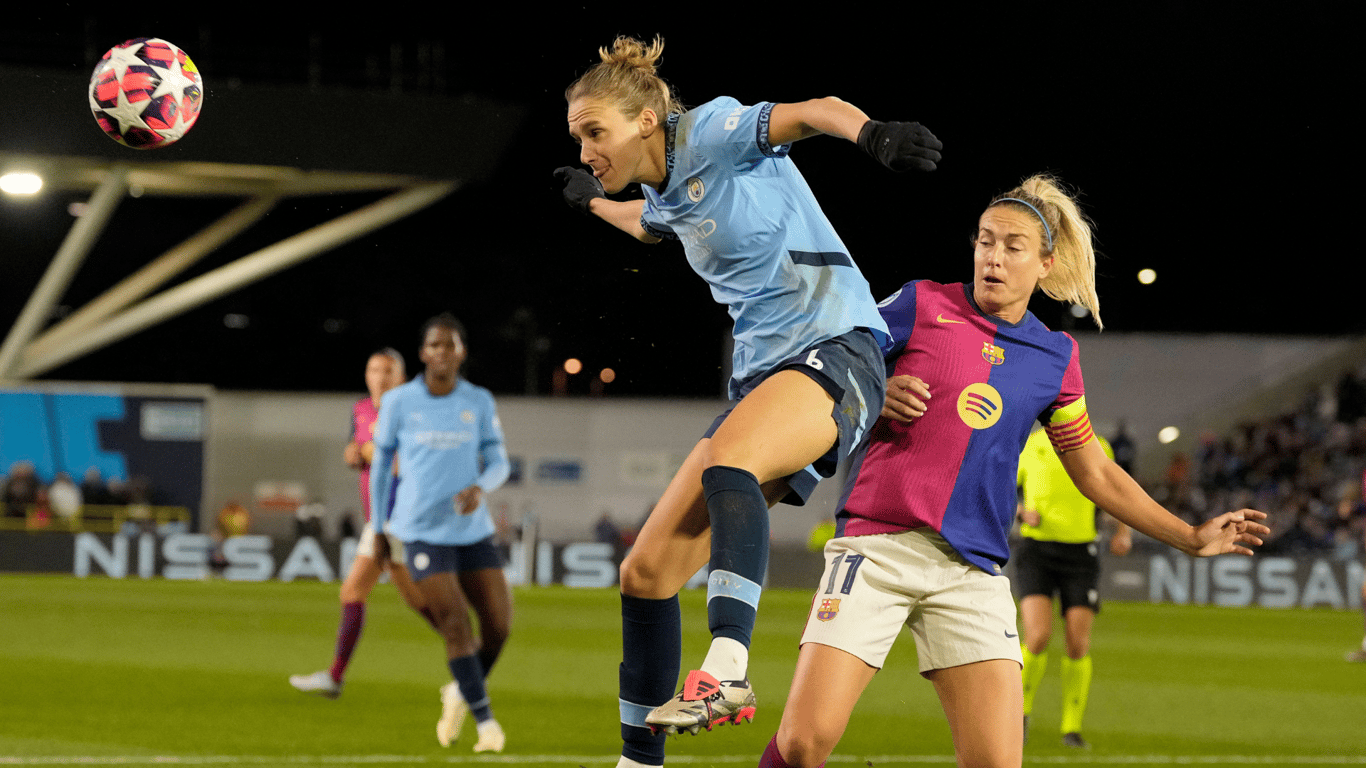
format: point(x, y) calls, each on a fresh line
point(1208, 145)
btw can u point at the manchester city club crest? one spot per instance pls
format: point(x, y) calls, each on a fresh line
point(696, 189)
point(992, 353)
point(830, 608)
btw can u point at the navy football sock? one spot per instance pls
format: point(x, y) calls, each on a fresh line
point(739, 551)
point(469, 678)
point(652, 642)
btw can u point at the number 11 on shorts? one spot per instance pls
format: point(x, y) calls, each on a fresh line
point(851, 564)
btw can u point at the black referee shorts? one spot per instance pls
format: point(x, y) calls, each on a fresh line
point(1070, 572)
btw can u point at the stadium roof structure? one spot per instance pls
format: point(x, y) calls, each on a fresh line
point(261, 144)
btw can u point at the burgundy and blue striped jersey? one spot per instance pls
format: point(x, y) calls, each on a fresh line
point(954, 468)
point(363, 417)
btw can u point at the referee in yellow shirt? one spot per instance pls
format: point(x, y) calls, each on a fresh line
point(1057, 556)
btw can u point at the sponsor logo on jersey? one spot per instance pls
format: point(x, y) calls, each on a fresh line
point(992, 353)
point(441, 440)
point(693, 237)
point(830, 608)
point(979, 405)
point(696, 189)
point(467, 417)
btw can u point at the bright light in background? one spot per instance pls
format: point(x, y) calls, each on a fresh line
point(1167, 434)
point(1147, 276)
point(1078, 310)
point(21, 183)
point(607, 375)
point(572, 366)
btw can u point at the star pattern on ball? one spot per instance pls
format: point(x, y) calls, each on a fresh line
point(129, 113)
point(173, 81)
point(146, 93)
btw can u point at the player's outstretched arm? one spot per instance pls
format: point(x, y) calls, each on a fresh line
point(1103, 481)
point(625, 216)
point(831, 116)
point(899, 146)
point(585, 194)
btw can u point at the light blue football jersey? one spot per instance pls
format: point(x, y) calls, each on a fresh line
point(752, 229)
point(444, 445)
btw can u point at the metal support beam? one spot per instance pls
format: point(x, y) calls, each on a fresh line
point(244, 271)
point(79, 240)
point(153, 275)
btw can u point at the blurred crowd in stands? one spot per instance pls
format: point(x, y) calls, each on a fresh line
point(1306, 467)
point(31, 503)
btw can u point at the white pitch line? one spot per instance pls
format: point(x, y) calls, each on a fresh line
point(878, 761)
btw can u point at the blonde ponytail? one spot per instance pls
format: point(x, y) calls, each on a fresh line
point(1073, 277)
point(626, 76)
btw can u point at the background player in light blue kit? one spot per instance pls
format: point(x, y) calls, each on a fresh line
point(808, 372)
point(449, 442)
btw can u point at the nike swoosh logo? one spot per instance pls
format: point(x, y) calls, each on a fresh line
point(943, 319)
point(1010, 635)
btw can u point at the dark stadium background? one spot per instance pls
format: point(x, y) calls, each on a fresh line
point(1210, 143)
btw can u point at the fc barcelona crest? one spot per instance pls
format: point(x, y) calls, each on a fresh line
point(830, 607)
point(992, 353)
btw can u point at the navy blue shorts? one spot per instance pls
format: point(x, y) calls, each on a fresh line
point(850, 368)
point(425, 559)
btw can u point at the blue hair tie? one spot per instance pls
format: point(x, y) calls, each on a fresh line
point(1046, 230)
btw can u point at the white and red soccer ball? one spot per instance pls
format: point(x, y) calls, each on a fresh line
point(146, 93)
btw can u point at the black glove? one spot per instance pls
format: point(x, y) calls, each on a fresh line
point(900, 146)
point(580, 187)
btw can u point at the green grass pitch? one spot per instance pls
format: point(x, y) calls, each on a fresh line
point(131, 672)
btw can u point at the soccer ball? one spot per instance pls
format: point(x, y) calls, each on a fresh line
point(146, 93)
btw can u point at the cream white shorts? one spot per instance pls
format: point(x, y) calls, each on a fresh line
point(873, 585)
point(366, 546)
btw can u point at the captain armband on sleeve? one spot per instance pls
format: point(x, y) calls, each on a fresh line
point(1069, 427)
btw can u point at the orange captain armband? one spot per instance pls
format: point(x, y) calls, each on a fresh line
point(1069, 428)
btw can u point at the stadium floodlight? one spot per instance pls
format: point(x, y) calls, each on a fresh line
point(1147, 276)
point(1168, 434)
point(20, 183)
